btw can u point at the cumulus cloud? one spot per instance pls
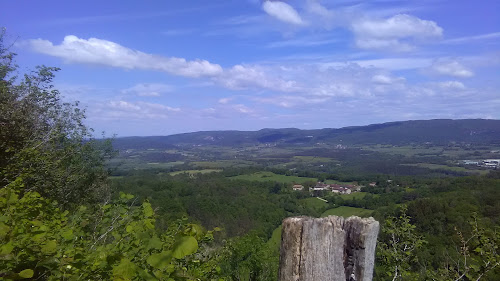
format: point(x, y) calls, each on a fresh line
point(287, 101)
point(336, 89)
point(451, 85)
point(225, 100)
point(386, 79)
point(396, 63)
point(103, 52)
point(397, 33)
point(243, 77)
point(148, 89)
point(282, 11)
point(120, 109)
point(324, 84)
point(243, 108)
point(450, 68)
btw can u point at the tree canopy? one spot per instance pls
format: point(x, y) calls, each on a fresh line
point(44, 144)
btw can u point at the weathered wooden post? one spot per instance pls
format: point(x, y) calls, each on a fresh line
point(328, 249)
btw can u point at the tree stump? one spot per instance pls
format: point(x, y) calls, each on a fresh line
point(328, 249)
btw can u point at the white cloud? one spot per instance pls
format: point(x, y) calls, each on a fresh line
point(395, 63)
point(383, 44)
point(450, 68)
point(148, 89)
point(316, 8)
point(398, 26)
point(321, 17)
point(287, 101)
point(386, 79)
point(451, 85)
point(282, 11)
point(336, 89)
point(225, 100)
point(469, 39)
point(120, 109)
point(395, 33)
point(241, 77)
point(103, 52)
point(243, 109)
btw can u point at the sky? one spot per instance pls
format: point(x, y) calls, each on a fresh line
point(144, 68)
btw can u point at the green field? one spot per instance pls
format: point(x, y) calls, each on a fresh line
point(338, 182)
point(275, 240)
point(136, 164)
point(269, 176)
point(193, 172)
point(345, 211)
point(314, 202)
point(313, 159)
point(221, 164)
point(357, 195)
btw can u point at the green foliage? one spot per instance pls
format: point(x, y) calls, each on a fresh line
point(249, 258)
point(44, 144)
point(476, 255)
point(396, 249)
point(215, 201)
point(117, 240)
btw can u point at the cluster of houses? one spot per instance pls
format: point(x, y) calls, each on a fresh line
point(486, 163)
point(335, 188)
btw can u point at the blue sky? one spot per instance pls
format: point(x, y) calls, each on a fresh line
point(165, 67)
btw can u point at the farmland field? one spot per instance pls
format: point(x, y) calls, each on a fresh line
point(354, 195)
point(275, 240)
point(314, 203)
point(269, 176)
point(192, 172)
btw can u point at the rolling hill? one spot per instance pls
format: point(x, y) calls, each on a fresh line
point(438, 131)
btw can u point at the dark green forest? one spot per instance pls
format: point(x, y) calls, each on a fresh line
point(73, 207)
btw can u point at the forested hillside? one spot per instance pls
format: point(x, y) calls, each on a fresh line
point(439, 132)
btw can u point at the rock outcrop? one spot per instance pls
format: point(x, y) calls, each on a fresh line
point(328, 249)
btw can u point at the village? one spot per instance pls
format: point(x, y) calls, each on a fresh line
point(335, 188)
point(486, 163)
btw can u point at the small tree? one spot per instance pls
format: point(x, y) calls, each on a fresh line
point(475, 257)
point(396, 251)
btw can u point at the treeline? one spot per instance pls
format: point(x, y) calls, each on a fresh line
point(216, 201)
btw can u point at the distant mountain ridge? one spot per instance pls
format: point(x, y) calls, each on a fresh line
point(437, 131)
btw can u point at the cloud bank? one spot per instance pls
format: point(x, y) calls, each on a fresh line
point(103, 52)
